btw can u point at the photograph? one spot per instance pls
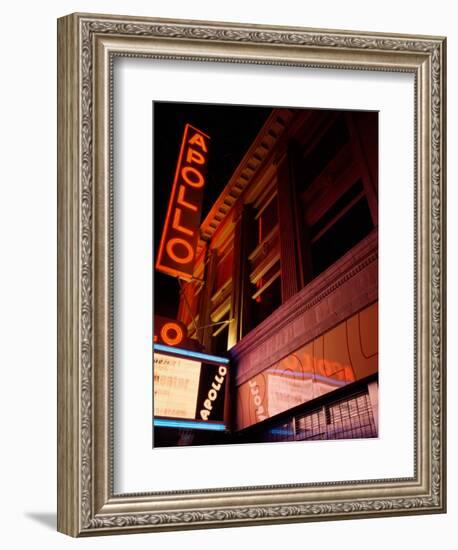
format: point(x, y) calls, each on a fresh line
point(265, 278)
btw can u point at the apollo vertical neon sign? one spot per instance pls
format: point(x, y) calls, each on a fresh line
point(177, 248)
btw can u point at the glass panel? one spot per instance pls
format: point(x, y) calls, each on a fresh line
point(224, 270)
point(219, 339)
point(322, 154)
point(267, 220)
point(351, 228)
point(268, 301)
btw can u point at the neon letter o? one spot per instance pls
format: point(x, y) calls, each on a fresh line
point(171, 341)
point(180, 259)
point(185, 174)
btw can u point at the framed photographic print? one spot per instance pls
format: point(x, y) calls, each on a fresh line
point(251, 274)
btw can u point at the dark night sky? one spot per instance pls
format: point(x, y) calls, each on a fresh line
point(232, 129)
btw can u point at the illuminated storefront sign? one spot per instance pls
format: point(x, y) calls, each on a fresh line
point(188, 385)
point(176, 386)
point(169, 331)
point(213, 393)
point(178, 244)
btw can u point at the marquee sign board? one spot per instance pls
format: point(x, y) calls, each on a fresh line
point(177, 248)
point(188, 386)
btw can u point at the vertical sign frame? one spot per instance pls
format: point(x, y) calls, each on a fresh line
point(177, 248)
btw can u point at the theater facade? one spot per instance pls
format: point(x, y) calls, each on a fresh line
point(285, 284)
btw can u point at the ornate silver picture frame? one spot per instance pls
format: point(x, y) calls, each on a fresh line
point(87, 47)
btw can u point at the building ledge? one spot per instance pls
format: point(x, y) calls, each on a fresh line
point(345, 288)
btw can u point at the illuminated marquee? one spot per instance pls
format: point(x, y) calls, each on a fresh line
point(176, 386)
point(189, 385)
point(213, 392)
point(178, 244)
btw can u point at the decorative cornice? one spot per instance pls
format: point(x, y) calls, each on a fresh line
point(252, 163)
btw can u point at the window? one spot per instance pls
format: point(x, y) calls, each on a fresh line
point(220, 336)
point(326, 143)
point(267, 219)
point(224, 270)
point(220, 303)
point(267, 298)
point(331, 187)
point(343, 226)
point(265, 270)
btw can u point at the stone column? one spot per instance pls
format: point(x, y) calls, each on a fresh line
point(364, 142)
point(244, 243)
point(205, 334)
point(291, 235)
